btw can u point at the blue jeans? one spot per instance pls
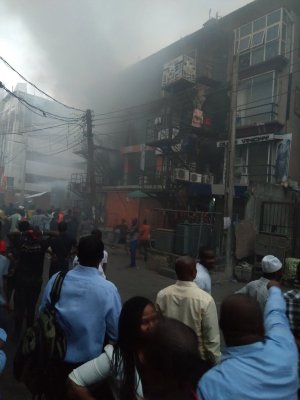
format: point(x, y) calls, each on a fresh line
point(133, 248)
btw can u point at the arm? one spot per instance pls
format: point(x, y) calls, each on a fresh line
point(276, 322)
point(90, 373)
point(211, 334)
point(112, 317)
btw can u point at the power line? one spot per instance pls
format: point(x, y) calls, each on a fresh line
point(37, 88)
point(37, 129)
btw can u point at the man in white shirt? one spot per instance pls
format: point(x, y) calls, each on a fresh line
point(206, 262)
point(272, 270)
point(186, 302)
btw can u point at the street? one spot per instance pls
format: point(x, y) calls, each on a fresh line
point(130, 282)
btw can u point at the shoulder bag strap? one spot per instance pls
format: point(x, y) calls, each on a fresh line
point(56, 288)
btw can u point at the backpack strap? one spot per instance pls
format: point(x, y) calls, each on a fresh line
point(56, 288)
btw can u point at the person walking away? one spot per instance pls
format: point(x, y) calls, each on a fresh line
point(121, 362)
point(260, 359)
point(61, 247)
point(39, 219)
point(30, 249)
point(144, 237)
point(14, 220)
point(87, 311)
point(133, 241)
point(258, 289)
point(206, 263)
point(187, 303)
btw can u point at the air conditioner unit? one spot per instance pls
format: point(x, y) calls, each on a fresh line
point(205, 178)
point(163, 134)
point(181, 174)
point(195, 178)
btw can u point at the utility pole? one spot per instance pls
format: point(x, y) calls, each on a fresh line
point(229, 183)
point(91, 179)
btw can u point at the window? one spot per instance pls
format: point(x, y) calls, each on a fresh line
point(273, 17)
point(244, 61)
point(258, 38)
point(271, 32)
point(245, 30)
point(256, 99)
point(244, 44)
point(259, 24)
point(258, 55)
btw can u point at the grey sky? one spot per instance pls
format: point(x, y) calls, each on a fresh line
point(68, 47)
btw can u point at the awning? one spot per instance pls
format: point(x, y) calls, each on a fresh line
point(138, 194)
point(35, 195)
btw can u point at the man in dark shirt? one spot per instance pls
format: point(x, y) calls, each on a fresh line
point(61, 247)
point(29, 249)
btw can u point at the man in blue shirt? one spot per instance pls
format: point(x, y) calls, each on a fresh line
point(88, 308)
point(260, 362)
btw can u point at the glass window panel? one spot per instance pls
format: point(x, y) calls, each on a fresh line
point(244, 44)
point(286, 18)
point(272, 49)
point(283, 33)
point(244, 60)
point(258, 38)
point(245, 30)
point(259, 24)
point(272, 33)
point(283, 48)
point(257, 55)
point(273, 17)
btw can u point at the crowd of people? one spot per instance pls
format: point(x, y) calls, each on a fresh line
point(166, 349)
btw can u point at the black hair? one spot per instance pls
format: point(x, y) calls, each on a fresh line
point(129, 340)
point(97, 233)
point(23, 226)
point(90, 251)
point(172, 361)
point(203, 251)
point(62, 226)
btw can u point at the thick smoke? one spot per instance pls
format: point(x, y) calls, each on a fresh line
point(77, 46)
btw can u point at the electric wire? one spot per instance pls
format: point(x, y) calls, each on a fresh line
point(37, 88)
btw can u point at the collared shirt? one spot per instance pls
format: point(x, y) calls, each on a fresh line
point(259, 371)
point(186, 302)
point(257, 289)
point(88, 308)
point(203, 279)
point(292, 299)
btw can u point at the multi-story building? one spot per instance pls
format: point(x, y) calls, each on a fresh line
point(174, 133)
point(37, 152)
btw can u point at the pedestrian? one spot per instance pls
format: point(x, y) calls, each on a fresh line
point(39, 220)
point(133, 241)
point(61, 247)
point(144, 237)
point(258, 289)
point(171, 363)
point(30, 248)
point(260, 359)
point(206, 262)
point(122, 361)
point(3, 337)
point(187, 303)
point(4, 269)
point(14, 219)
point(104, 261)
point(87, 311)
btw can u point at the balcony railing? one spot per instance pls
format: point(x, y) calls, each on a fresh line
point(244, 174)
point(254, 115)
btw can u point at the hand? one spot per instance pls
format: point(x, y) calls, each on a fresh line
point(273, 283)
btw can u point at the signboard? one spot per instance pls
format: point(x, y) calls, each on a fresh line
point(256, 139)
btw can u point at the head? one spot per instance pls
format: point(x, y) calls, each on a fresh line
point(134, 221)
point(23, 226)
point(185, 268)
point(145, 222)
point(38, 211)
point(137, 318)
point(271, 267)
point(97, 233)
point(207, 257)
point(171, 361)
point(62, 227)
point(90, 251)
point(241, 320)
